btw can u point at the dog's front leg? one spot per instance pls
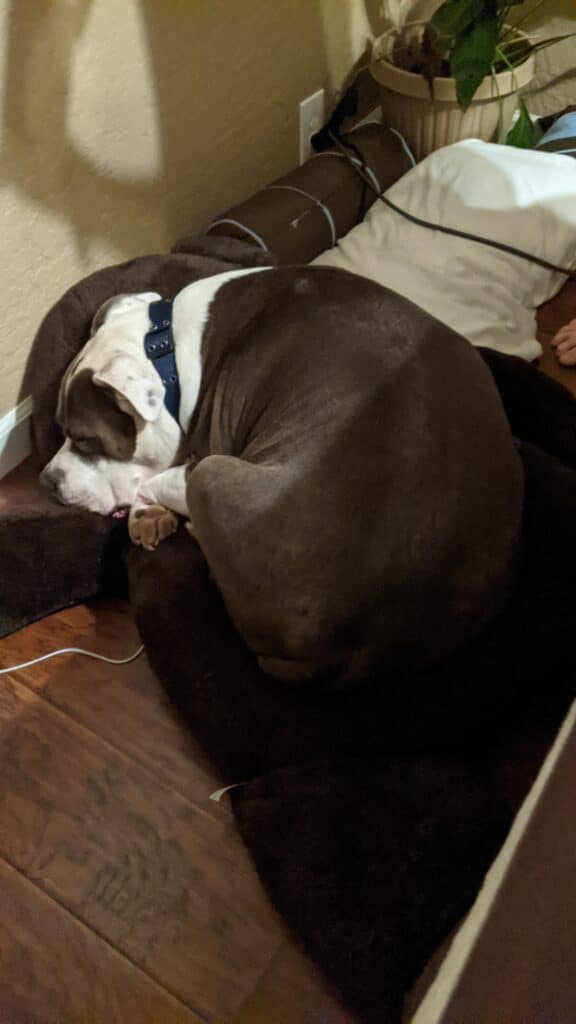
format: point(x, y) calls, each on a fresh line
point(158, 503)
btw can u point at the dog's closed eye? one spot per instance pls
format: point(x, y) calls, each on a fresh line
point(88, 445)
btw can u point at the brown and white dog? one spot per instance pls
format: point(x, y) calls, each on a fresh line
point(343, 457)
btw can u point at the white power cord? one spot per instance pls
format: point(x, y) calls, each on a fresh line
point(74, 650)
point(217, 796)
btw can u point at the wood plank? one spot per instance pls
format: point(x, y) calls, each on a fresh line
point(21, 488)
point(53, 968)
point(291, 991)
point(163, 882)
point(125, 704)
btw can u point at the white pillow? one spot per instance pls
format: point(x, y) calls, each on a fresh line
point(521, 197)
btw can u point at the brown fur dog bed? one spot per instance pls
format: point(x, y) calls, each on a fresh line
point(372, 815)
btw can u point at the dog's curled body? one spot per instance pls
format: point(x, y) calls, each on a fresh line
point(354, 484)
point(351, 476)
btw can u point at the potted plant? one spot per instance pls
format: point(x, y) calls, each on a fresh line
point(459, 74)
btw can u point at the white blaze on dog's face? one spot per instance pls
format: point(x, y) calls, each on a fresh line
point(111, 410)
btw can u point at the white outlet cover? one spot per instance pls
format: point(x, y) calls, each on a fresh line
point(312, 117)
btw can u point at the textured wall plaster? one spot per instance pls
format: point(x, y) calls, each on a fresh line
point(126, 123)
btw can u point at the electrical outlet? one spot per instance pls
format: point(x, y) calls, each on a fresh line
point(311, 120)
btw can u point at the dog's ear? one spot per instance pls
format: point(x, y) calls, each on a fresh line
point(61, 403)
point(60, 415)
point(120, 304)
point(136, 386)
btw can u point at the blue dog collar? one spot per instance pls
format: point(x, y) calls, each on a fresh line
point(159, 347)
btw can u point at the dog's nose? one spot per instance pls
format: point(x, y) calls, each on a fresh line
point(51, 476)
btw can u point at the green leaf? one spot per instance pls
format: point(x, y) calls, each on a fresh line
point(453, 17)
point(472, 57)
point(543, 43)
point(523, 134)
point(516, 51)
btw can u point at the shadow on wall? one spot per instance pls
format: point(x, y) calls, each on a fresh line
point(137, 122)
point(39, 154)
point(555, 84)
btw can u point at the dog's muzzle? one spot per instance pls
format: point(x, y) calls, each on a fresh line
point(51, 477)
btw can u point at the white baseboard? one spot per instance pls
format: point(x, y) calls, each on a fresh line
point(15, 436)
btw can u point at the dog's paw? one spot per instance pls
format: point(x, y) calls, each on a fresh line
point(150, 524)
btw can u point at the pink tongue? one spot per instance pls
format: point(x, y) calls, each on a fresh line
point(120, 513)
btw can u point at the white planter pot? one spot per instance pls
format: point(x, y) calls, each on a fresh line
point(428, 121)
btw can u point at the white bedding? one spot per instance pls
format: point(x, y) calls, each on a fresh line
point(521, 197)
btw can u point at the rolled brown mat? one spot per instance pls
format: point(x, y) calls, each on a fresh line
point(308, 210)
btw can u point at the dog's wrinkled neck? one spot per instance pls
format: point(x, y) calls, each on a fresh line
point(210, 316)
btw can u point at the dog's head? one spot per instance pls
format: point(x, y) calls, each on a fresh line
point(111, 412)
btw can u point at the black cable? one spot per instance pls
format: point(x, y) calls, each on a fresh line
point(346, 107)
point(363, 164)
point(323, 140)
point(502, 246)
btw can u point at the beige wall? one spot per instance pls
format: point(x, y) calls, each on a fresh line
point(555, 84)
point(125, 123)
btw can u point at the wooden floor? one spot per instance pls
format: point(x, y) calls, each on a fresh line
point(125, 893)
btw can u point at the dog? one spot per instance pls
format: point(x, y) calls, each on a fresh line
point(342, 457)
